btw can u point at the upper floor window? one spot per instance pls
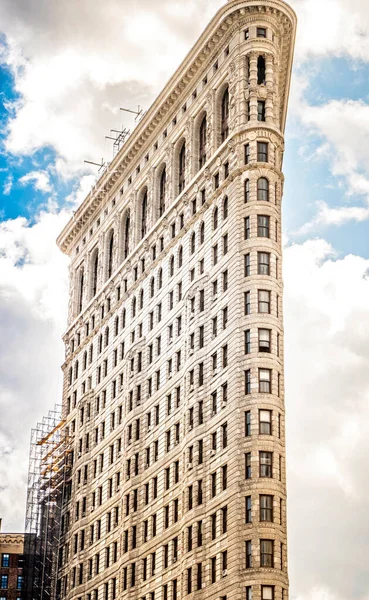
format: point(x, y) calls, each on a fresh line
point(225, 116)
point(81, 276)
point(202, 143)
point(261, 32)
point(261, 70)
point(126, 235)
point(182, 168)
point(110, 254)
point(162, 190)
point(144, 215)
point(263, 189)
point(95, 272)
point(262, 151)
point(261, 110)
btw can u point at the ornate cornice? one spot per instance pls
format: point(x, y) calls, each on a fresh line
point(226, 19)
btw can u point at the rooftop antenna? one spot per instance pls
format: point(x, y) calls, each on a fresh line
point(102, 166)
point(119, 139)
point(140, 113)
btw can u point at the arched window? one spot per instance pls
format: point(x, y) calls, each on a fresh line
point(116, 326)
point(127, 225)
point(152, 287)
point(202, 143)
point(215, 218)
point(261, 70)
point(76, 370)
point(110, 254)
point(180, 257)
point(162, 190)
point(247, 190)
point(81, 277)
point(95, 272)
point(91, 353)
point(193, 243)
point(263, 189)
point(225, 208)
point(100, 343)
point(106, 336)
point(160, 279)
point(182, 168)
point(225, 116)
point(84, 361)
point(171, 266)
point(70, 376)
point(123, 318)
point(134, 306)
point(202, 233)
point(141, 299)
point(144, 215)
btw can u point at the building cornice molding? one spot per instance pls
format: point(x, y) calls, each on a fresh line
point(200, 56)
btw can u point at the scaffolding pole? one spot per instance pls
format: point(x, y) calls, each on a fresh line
point(48, 470)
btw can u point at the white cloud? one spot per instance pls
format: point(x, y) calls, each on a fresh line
point(327, 216)
point(39, 179)
point(326, 309)
point(8, 185)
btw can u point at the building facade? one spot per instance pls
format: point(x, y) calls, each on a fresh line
point(11, 565)
point(173, 394)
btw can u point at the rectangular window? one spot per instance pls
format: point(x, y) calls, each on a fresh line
point(248, 381)
point(265, 381)
point(261, 110)
point(249, 592)
point(247, 228)
point(267, 592)
point(266, 464)
point(247, 423)
point(264, 340)
point(5, 560)
point(248, 515)
point(263, 226)
point(248, 554)
point(247, 265)
point(247, 341)
point(4, 582)
point(265, 422)
point(262, 149)
point(263, 263)
point(266, 508)
point(267, 553)
point(247, 303)
point(264, 301)
point(261, 32)
point(248, 472)
point(247, 153)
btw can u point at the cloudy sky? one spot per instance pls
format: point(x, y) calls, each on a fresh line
point(65, 69)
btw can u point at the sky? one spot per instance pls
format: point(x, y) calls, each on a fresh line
point(65, 70)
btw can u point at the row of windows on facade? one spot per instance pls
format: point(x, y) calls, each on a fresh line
point(169, 591)
point(264, 298)
point(262, 195)
point(4, 582)
point(16, 561)
point(170, 438)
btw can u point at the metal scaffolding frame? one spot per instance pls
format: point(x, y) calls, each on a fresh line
point(48, 468)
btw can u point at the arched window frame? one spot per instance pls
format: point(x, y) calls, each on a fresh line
point(94, 272)
point(123, 318)
point(134, 307)
point(225, 208)
point(144, 207)
point(162, 191)
point(202, 233)
point(224, 124)
point(171, 266)
point(160, 279)
point(263, 189)
point(106, 336)
point(116, 326)
point(141, 299)
point(202, 142)
point(182, 168)
point(180, 257)
point(126, 232)
point(215, 218)
point(247, 190)
point(110, 252)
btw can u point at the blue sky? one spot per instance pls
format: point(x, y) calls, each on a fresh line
point(61, 89)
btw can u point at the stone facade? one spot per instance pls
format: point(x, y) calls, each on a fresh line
point(173, 378)
point(11, 565)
